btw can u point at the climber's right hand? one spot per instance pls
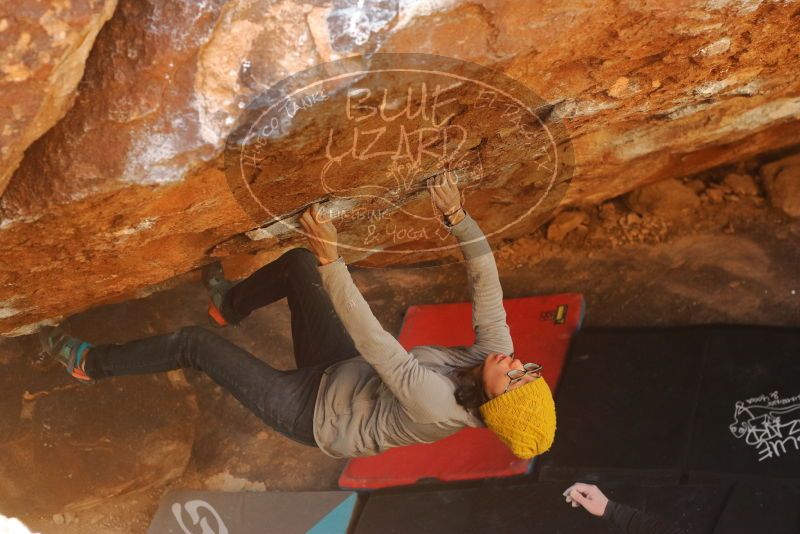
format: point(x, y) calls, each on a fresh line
point(321, 233)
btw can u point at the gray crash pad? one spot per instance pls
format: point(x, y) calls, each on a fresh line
point(316, 512)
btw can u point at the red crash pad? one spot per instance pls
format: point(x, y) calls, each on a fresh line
point(541, 328)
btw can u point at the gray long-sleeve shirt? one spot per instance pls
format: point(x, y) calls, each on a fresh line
point(387, 396)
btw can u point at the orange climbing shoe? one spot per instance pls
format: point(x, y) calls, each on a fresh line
point(217, 287)
point(216, 315)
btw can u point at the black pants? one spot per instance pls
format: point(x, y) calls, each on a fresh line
point(284, 400)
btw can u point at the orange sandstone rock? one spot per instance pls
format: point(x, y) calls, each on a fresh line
point(43, 48)
point(128, 192)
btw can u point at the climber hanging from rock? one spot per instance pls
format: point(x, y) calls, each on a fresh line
point(356, 391)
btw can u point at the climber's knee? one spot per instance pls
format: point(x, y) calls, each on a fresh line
point(188, 340)
point(300, 256)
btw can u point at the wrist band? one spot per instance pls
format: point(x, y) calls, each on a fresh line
point(447, 220)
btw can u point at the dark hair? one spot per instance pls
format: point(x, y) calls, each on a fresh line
point(469, 390)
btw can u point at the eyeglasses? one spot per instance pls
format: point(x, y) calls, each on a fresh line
point(515, 375)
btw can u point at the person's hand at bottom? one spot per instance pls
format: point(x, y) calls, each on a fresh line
point(588, 496)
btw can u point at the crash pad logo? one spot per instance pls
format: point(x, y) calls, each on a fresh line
point(557, 316)
point(768, 423)
point(200, 524)
point(363, 136)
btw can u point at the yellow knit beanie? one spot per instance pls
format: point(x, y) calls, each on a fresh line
point(523, 418)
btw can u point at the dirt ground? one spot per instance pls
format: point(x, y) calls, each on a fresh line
point(732, 259)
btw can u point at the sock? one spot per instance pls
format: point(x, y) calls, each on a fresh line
point(83, 360)
point(83, 352)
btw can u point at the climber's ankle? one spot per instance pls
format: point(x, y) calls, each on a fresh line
point(83, 360)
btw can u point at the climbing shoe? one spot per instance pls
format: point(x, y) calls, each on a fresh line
point(66, 350)
point(217, 287)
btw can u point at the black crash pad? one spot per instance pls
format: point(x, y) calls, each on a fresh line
point(654, 404)
point(624, 404)
point(761, 506)
point(526, 507)
point(747, 418)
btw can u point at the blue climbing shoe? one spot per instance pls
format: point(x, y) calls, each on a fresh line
point(66, 350)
